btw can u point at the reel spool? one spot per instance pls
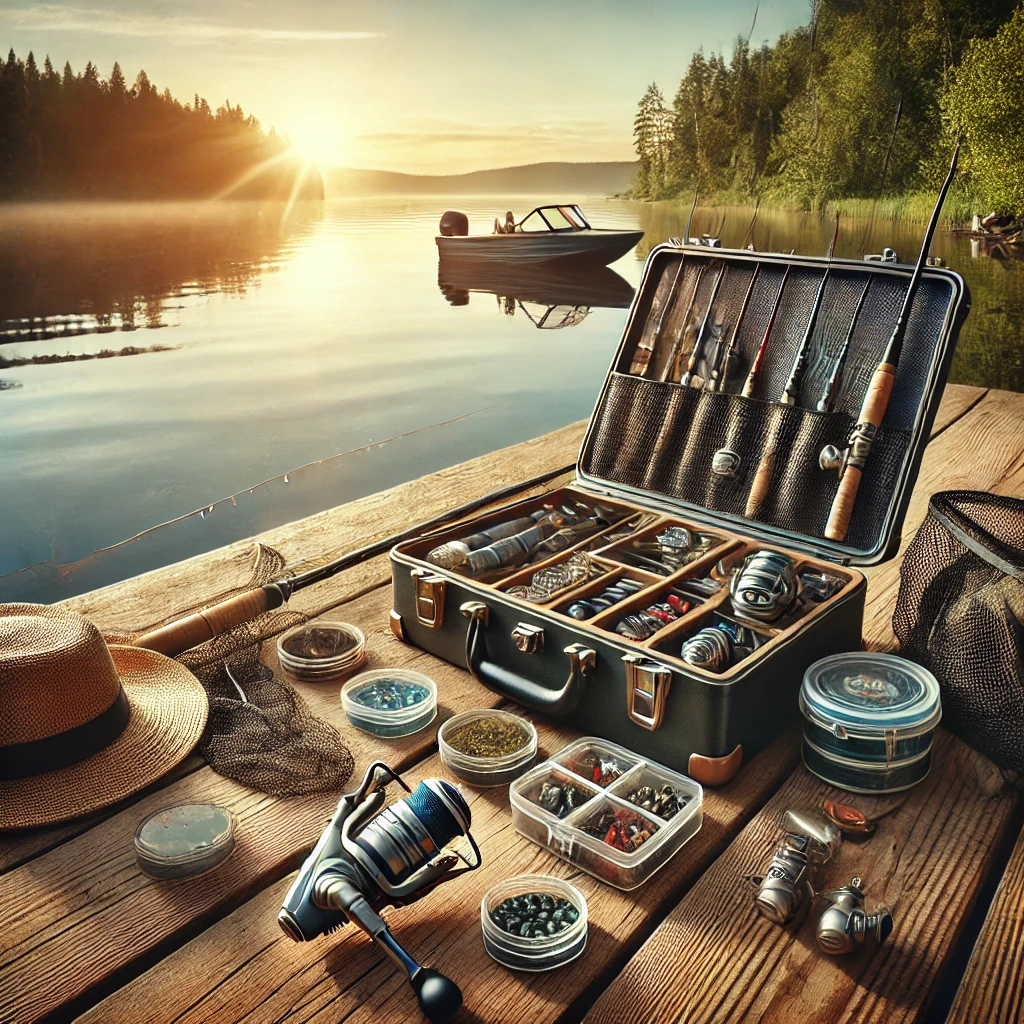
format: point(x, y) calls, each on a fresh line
point(369, 857)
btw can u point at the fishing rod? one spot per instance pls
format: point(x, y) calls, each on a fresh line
point(698, 343)
point(828, 396)
point(192, 630)
point(720, 375)
point(791, 392)
point(642, 356)
point(765, 469)
point(755, 366)
point(669, 371)
point(850, 463)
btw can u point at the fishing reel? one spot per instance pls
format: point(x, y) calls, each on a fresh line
point(807, 844)
point(370, 857)
point(845, 924)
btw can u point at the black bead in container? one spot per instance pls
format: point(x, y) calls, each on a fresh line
point(664, 802)
point(534, 915)
point(534, 923)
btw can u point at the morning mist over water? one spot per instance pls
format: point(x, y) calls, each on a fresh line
point(284, 338)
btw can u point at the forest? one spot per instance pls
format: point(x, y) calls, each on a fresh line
point(810, 120)
point(66, 135)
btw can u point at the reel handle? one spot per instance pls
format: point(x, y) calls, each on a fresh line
point(439, 997)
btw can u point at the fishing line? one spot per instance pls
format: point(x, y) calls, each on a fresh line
point(881, 181)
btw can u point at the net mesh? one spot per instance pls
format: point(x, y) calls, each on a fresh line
point(259, 731)
point(960, 613)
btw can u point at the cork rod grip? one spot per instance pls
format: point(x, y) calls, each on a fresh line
point(872, 412)
point(186, 633)
point(759, 488)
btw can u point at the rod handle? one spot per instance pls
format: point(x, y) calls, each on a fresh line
point(759, 488)
point(876, 402)
point(184, 634)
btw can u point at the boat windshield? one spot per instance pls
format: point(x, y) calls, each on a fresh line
point(555, 218)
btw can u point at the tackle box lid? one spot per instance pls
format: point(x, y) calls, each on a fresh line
point(655, 440)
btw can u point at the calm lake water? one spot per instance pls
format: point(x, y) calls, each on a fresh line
point(310, 357)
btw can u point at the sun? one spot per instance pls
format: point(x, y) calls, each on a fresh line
point(315, 142)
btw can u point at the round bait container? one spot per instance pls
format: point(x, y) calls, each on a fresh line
point(390, 702)
point(184, 840)
point(869, 721)
point(534, 923)
point(487, 747)
point(321, 652)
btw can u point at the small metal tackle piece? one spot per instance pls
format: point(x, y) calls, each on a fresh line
point(765, 587)
point(726, 463)
point(808, 842)
point(845, 924)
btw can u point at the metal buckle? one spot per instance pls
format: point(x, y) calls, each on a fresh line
point(528, 638)
point(647, 685)
point(430, 590)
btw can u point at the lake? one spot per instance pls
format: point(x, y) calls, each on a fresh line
point(288, 360)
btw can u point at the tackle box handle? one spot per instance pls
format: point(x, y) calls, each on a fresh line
point(516, 687)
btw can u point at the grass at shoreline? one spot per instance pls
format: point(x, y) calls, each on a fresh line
point(912, 208)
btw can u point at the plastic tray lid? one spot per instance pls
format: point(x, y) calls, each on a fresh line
point(941, 306)
point(871, 696)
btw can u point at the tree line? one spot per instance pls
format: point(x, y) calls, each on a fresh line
point(810, 119)
point(68, 135)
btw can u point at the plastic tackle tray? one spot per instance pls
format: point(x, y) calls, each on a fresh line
point(602, 792)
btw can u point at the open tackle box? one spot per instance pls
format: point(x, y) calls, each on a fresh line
point(733, 393)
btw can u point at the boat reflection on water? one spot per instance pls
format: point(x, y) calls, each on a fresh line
point(550, 295)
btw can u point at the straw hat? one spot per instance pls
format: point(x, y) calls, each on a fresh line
point(84, 724)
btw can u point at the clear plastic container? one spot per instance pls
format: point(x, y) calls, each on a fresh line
point(321, 652)
point(487, 771)
point(608, 811)
point(869, 721)
point(385, 721)
point(184, 840)
point(533, 954)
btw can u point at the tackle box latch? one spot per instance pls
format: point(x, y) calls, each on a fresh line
point(647, 685)
point(430, 590)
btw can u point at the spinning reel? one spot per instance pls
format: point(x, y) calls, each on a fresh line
point(370, 857)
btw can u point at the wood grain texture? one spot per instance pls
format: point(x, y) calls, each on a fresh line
point(244, 969)
point(84, 911)
point(80, 918)
point(715, 958)
point(992, 990)
point(154, 598)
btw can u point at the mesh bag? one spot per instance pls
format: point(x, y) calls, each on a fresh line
point(259, 731)
point(960, 613)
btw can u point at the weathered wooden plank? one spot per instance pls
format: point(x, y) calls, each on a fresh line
point(715, 959)
point(18, 847)
point(227, 569)
point(992, 990)
point(155, 597)
point(244, 969)
point(84, 910)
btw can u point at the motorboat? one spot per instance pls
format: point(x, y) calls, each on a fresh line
point(546, 234)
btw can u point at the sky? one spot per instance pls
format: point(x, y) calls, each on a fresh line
point(408, 85)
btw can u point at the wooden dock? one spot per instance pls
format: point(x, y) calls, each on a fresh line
point(87, 936)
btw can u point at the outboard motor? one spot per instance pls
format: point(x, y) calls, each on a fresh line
point(454, 223)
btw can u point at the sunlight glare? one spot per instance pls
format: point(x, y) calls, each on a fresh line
point(315, 142)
